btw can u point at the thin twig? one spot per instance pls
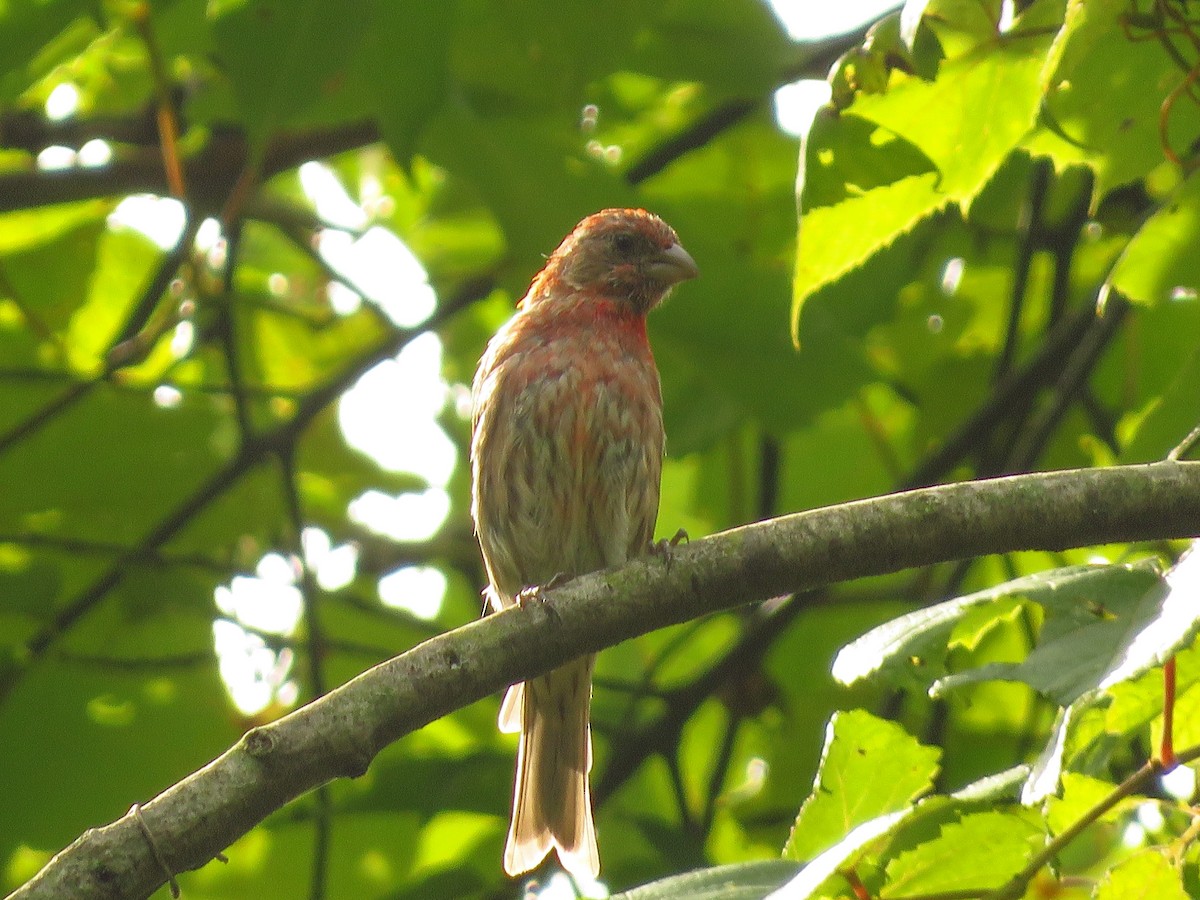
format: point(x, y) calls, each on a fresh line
point(716, 778)
point(156, 852)
point(1028, 235)
point(1185, 446)
point(1079, 367)
point(165, 116)
point(1007, 395)
point(323, 820)
point(662, 735)
point(228, 330)
point(1018, 884)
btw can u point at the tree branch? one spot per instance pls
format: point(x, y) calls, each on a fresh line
point(339, 734)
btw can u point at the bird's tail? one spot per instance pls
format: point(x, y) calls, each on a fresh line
point(552, 804)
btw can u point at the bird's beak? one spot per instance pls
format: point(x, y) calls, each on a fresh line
point(673, 265)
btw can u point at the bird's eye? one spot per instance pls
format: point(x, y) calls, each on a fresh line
point(624, 243)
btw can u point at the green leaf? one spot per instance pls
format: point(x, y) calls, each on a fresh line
point(1173, 414)
point(965, 123)
point(869, 767)
point(110, 495)
point(914, 639)
point(1135, 703)
point(836, 239)
point(883, 837)
point(1047, 769)
point(1148, 875)
point(1160, 262)
point(26, 27)
point(50, 277)
point(1104, 98)
point(404, 62)
point(1080, 793)
point(124, 264)
point(1132, 629)
point(281, 55)
point(736, 46)
point(994, 92)
point(977, 621)
point(743, 881)
point(1166, 620)
point(823, 870)
point(536, 184)
point(1085, 23)
point(960, 25)
point(981, 851)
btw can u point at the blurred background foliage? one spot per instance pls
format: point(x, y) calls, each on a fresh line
point(250, 253)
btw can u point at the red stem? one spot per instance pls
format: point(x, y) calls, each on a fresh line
point(1167, 750)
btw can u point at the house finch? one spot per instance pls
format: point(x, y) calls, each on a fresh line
point(566, 453)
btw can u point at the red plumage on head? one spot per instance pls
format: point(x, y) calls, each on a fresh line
point(625, 254)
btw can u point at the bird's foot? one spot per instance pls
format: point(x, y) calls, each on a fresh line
point(536, 593)
point(666, 547)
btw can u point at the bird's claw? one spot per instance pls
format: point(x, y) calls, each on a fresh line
point(536, 593)
point(529, 595)
point(666, 547)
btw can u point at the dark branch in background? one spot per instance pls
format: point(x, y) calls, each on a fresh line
point(211, 175)
point(995, 453)
point(1062, 238)
point(31, 131)
point(1007, 396)
point(46, 414)
point(813, 65)
point(1028, 233)
point(77, 546)
point(1014, 395)
point(71, 378)
point(227, 331)
point(720, 767)
point(661, 737)
point(341, 733)
point(323, 819)
point(151, 297)
point(1071, 382)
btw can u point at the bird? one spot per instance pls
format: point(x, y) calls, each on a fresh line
point(567, 446)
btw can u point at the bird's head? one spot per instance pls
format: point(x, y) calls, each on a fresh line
point(627, 255)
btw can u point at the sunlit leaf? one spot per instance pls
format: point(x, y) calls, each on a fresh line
point(1132, 629)
point(1159, 264)
point(869, 767)
point(1146, 875)
point(911, 639)
point(981, 851)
